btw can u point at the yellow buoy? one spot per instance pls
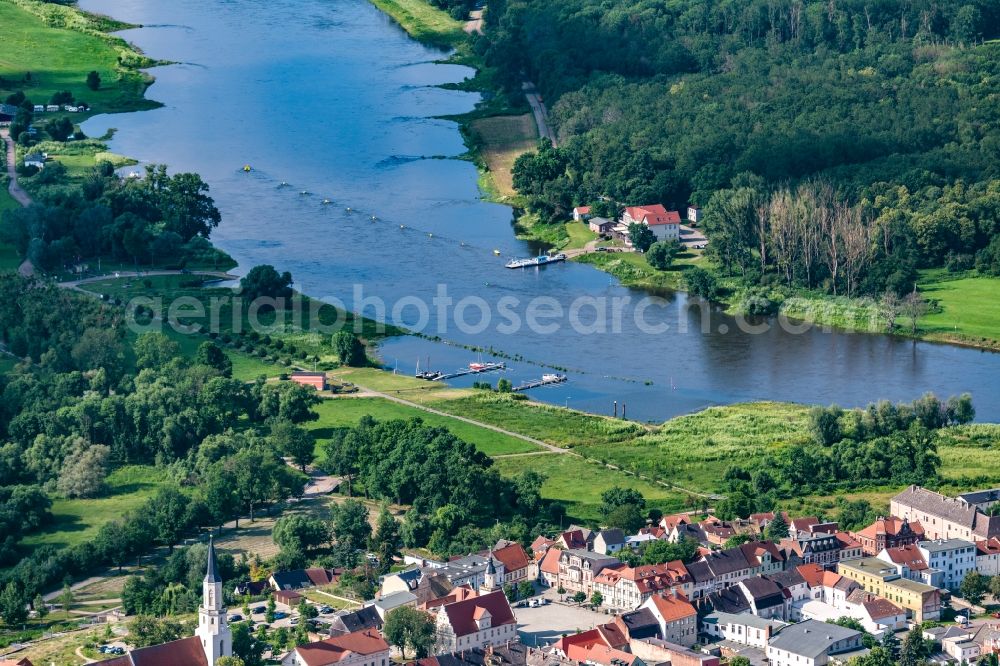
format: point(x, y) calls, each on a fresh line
point(247, 167)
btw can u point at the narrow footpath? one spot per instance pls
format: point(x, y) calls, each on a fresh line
point(480, 424)
point(16, 191)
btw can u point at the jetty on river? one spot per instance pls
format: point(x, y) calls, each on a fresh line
point(546, 380)
point(473, 369)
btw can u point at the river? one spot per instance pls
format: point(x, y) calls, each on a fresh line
point(332, 98)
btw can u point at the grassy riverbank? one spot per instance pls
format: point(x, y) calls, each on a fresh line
point(48, 48)
point(424, 22)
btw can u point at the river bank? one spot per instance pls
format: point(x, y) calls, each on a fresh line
point(495, 136)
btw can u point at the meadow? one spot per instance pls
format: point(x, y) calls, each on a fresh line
point(78, 520)
point(548, 423)
point(499, 141)
point(424, 22)
point(49, 48)
point(695, 450)
point(578, 484)
point(969, 310)
point(347, 411)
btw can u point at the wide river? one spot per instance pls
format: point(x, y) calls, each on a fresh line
point(332, 98)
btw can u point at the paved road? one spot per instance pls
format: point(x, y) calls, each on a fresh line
point(75, 284)
point(540, 112)
point(16, 191)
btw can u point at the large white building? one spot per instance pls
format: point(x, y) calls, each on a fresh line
point(811, 643)
point(478, 622)
point(954, 558)
point(665, 224)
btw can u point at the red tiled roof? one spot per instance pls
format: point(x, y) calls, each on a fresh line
point(541, 544)
point(812, 573)
point(11, 662)
point(462, 614)
point(184, 652)
point(890, 526)
point(550, 563)
point(990, 546)
point(577, 646)
point(606, 656)
point(513, 557)
point(321, 576)
point(908, 555)
point(847, 541)
point(582, 210)
point(573, 539)
point(673, 608)
point(653, 215)
point(672, 521)
point(803, 523)
point(333, 650)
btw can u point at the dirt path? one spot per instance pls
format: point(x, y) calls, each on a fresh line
point(540, 112)
point(86, 659)
point(431, 410)
point(16, 191)
point(591, 246)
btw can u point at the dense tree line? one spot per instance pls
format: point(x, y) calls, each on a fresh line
point(453, 489)
point(86, 400)
point(157, 219)
point(742, 107)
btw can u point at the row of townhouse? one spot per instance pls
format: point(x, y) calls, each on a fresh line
point(627, 588)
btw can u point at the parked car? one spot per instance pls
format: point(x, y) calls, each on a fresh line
point(259, 609)
point(280, 615)
point(325, 609)
point(235, 617)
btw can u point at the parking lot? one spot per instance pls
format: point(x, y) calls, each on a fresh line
point(546, 624)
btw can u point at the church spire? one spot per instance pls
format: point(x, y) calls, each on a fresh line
point(211, 576)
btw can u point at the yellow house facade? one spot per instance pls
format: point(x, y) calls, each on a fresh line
point(922, 602)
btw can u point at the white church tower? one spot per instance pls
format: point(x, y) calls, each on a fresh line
point(216, 639)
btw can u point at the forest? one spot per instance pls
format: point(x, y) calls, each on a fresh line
point(761, 111)
point(159, 219)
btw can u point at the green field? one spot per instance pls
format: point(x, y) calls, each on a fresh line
point(78, 520)
point(553, 425)
point(579, 483)
point(694, 451)
point(424, 22)
point(342, 412)
point(970, 310)
point(59, 58)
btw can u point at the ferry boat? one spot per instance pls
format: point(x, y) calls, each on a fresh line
point(540, 260)
point(552, 378)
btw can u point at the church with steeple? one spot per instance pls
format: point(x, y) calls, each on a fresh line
point(211, 640)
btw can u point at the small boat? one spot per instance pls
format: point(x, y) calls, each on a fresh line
point(283, 183)
point(496, 253)
point(374, 218)
point(552, 378)
point(304, 192)
point(326, 201)
point(348, 209)
point(540, 260)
